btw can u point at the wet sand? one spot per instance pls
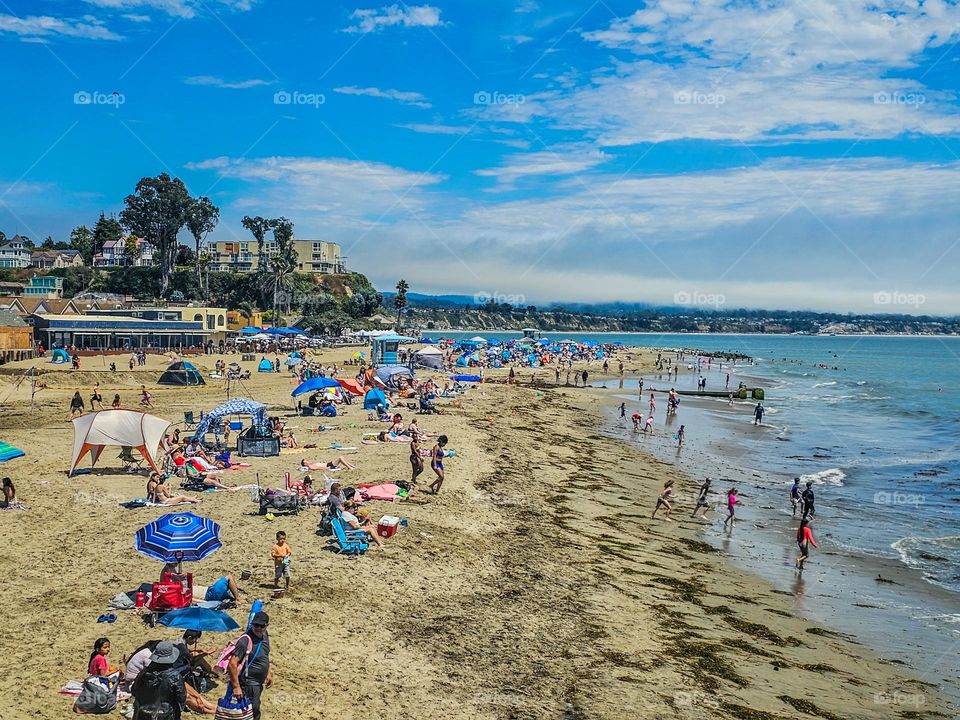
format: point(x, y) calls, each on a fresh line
point(534, 586)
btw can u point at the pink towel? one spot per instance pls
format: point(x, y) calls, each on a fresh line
point(386, 491)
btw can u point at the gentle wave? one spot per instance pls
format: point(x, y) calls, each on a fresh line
point(833, 476)
point(825, 384)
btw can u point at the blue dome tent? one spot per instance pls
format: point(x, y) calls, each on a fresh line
point(373, 398)
point(181, 373)
point(265, 366)
point(60, 356)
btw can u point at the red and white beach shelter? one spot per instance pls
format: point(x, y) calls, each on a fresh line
point(125, 428)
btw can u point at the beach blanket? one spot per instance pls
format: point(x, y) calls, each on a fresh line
point(384, 491)
point(14, 506)
point(239, 466)
point(9, 452)
point(143, 502)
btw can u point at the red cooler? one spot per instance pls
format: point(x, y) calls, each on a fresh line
point(388, 526)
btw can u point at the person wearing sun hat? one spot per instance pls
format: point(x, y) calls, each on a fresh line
point(158, 692)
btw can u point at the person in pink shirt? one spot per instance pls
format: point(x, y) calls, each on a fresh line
point(731, 507)
point(98, 666)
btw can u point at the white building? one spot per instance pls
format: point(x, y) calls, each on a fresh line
point(15, 254)
point(114, 255)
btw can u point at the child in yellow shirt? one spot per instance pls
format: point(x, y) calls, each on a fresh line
point(281, 554)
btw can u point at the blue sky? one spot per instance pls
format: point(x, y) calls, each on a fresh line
point(781, 154)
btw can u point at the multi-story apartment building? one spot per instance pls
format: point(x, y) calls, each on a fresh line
point(313, 256)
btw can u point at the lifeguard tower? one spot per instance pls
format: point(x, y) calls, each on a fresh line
point(383, 350)
point(532, 333)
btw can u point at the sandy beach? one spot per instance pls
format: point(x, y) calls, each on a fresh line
point(535, 585)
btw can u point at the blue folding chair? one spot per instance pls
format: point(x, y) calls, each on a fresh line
point(348, 539)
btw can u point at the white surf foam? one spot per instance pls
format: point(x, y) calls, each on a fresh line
point(833, 476)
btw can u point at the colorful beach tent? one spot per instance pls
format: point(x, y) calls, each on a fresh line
point(373, 398)
point(430, 357)
point(314, 384)
point(9, 452)
point(351, 385)
point(181, 373)
point(60, 356)
point(123, 428)
point(388, 374)
point(236, 406)
point(265, 366)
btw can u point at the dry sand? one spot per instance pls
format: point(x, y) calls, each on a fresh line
point(534, 586)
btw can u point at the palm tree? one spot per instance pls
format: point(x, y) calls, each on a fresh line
point(400, 301)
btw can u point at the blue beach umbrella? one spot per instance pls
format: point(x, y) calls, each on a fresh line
point(199, 618)
point(314, 384)
point(179, 536)
point(250, 331)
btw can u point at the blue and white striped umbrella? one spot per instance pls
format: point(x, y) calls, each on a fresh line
point(169, 536)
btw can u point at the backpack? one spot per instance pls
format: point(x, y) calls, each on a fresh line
point(96, 698)
point(326, 524)
point(224, 660)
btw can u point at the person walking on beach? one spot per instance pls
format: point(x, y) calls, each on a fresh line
point(653, 403)
point(731, 507)
point(623, 410)
point(725, 387)
point(249, 669)
point(436, 463)
point(664, 501)
point(807, 499)
point(804, 540)
point(640, 393)
point(795, 493)
point(568, 376)
point(680, 437)
point(584, 376)
point(758, 414)
point(416, 462)
point(702, 500)
point(558, 373)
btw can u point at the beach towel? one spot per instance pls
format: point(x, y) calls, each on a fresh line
point(15, 506)
point(143, 502)
point(384, 491)
point(9, 452)
point(239, 466)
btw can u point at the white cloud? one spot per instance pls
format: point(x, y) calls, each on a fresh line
point(436, 129)
point(370, 20)
point(785, 70)
point(213, 81)
point(185, 9)
point(43, 27)
point(136, 18)
point(526, 6)
point(517, 39)
point(787, 233)
point(406, 98)
point(548, 163)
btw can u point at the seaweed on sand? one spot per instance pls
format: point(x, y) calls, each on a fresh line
point(708, 664)
point(760, 631)
point(744, 713)
point(805, 706)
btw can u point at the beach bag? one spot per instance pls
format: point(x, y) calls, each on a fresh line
point(326, 525)
point(224, 660)
point(96, 698)
point(227, 709)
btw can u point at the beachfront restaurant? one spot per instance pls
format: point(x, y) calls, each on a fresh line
point(112, 332)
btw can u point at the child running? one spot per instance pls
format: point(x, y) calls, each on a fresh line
point(731, 507)
point(664, 501)
point(702, 500)
point(281, 554)
point(804, 540)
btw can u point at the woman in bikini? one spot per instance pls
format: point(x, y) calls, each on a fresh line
point(664, 501)
point(159, 493)
point(436, 463)
point(731, 507)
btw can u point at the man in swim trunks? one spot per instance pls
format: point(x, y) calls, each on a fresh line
point(795, 499)
point(808, 499)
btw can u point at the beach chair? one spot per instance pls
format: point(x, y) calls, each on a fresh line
point(348, 540)
point(193, 479)
point(130, 462)
point(188, 422)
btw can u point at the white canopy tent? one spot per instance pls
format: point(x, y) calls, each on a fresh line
point(123, 428)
